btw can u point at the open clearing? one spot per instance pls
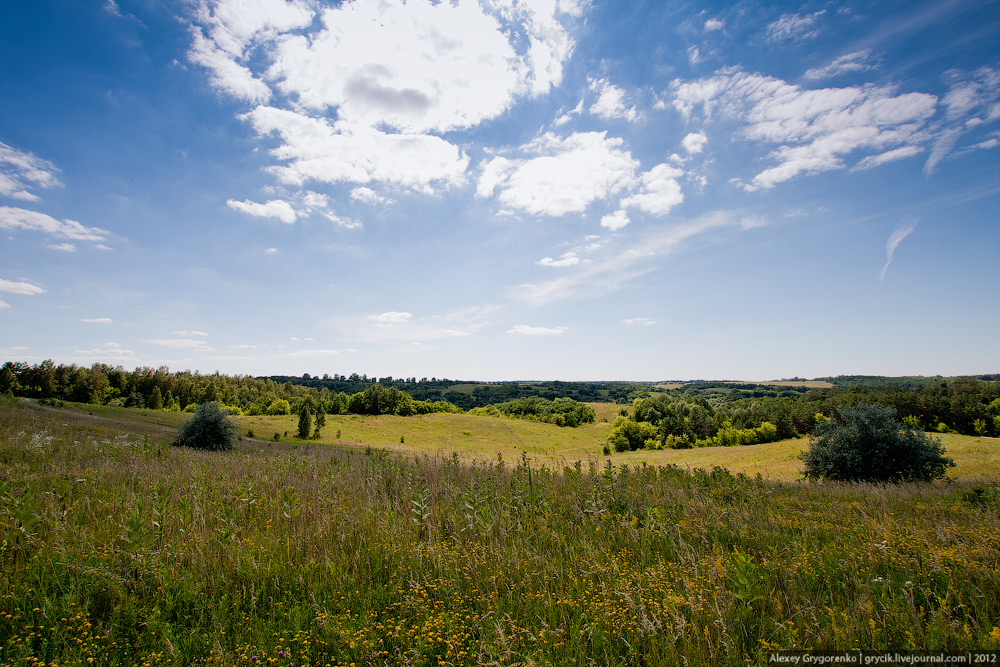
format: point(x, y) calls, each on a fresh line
point(118, 549)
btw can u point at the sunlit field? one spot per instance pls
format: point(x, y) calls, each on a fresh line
point(118, 549)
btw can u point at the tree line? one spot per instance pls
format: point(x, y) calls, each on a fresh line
point(699, 415)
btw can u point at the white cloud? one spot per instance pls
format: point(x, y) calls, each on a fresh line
point(610, 102)
point(271, 251)
point(903, 229)
point(63, 247)
point(21, 171)
point(812, 129)
point(526, 330)
point(313, 149)
point(360, 92)
point(568, 116)
point(227, 32)
point(972, 100)
point(561, 175)
point(794, 26)
point(4, 305)
point(714, 24)
point(401, 326)
point(346, 223)
point(183, 344)
point(14, 219)
point(660, 190)
point(607, 274)
point(275, 208)
point(420, 66)
point(191, 333)
point(694, 55)
point(615, 221)
point(694, 142)
point(97, 320)
point(391, 317)
point(888, 156)
point(567, 259)
point(368, 196)
point(857, 61)
point(23, 288)
point(109, 351)
point(643, 321)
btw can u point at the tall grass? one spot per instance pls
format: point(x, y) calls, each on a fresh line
point(118, 549)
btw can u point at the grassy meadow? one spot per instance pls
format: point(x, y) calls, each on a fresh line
point(118, 549)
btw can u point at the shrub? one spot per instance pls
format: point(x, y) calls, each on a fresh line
point(869, 444)
point(279, 407)
point(209, 428)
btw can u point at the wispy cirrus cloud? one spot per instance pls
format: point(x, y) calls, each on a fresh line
point(19, 219)
point(790, 27)
point(622, 263)
point(903, 229)
point(96, 320)
point(813, 130)
point(856, 61)
point(183, 344)
point(527, 330)
point(21, 287)
point(21, 171)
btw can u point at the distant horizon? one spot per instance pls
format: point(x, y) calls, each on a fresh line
point(441, 378)
point(490, 188)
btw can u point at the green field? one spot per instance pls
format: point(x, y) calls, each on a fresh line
point(118, 549)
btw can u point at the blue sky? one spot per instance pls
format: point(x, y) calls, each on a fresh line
point(501, 189)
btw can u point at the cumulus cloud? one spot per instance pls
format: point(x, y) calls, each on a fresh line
point(903, 229)
point(96, 320)
point(610, 102)
point(813, 129)
point(315, 149)
point(567, 259)
point(660, 190)
point(4, 305)
point(14, 219)
point(271, 251)
point(794, 27)
point(21, 171)
point(275, 208)
point(559, 175)
point(615, 221)
point(714, 24)
point(526, 330)
point(21, 287)
point(361, 92)
point(694, 142)
point(857, 61)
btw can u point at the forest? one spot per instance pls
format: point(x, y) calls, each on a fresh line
point(684, 414)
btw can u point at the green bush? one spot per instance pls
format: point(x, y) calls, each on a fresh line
point(209, 428)
point(869, 444)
